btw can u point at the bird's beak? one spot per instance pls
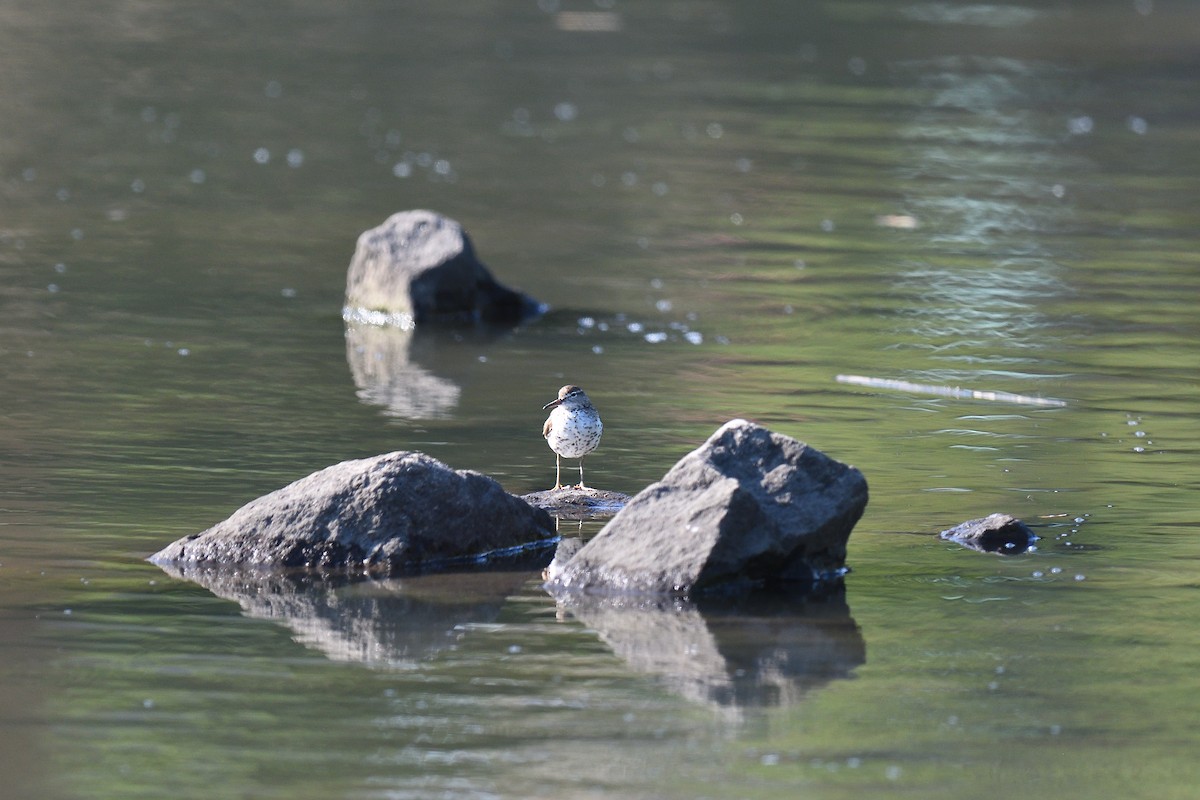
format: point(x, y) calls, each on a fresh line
point(552, 404)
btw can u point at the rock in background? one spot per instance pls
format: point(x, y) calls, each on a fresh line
point(419, 266)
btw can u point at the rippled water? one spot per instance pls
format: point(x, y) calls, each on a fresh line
point(726, 207)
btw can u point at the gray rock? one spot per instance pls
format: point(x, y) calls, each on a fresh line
point(391, 513)
point(748, 507)
point(573, 503)
point(996, 533)
point(419, 266)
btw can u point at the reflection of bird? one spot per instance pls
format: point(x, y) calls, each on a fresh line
point(572, 430)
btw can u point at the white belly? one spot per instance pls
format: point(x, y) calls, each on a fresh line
point(572, 437)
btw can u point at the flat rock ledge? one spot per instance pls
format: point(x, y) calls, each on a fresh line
point(748, 508)
point(573, 503)
point(995, 533)
point(393, 513)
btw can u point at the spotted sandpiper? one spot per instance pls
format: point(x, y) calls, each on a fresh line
point(572, 430)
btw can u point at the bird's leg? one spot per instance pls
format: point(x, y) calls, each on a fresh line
point(581, 486)
point(557, 472)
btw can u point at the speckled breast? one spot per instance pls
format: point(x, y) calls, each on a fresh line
point(574, 435)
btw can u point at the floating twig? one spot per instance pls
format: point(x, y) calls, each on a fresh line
point(950, 391)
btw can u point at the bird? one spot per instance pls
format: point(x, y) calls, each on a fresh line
point(572, 430)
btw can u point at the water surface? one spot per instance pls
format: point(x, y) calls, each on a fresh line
point(726, 206)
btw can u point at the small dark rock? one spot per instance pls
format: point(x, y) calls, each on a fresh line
point(391, 513)
point(748, 507)
point(997, 533)
point(572, 503)
point(422, 264)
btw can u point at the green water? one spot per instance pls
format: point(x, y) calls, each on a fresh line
point(996, 197)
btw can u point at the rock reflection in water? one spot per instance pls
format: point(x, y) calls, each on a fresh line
point(394, 623)
point(731, 653)
point(384, 363)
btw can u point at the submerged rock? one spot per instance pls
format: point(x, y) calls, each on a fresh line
point(996, 533)
point(573, 503)
point(419, 266)
point(391, 513)
point(748, 507)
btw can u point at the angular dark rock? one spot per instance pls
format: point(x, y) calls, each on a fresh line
point(421, 266)
point(391, 513)
point(748, 507)
point(996, 533)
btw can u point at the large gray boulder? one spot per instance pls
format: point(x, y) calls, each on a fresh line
point(419, 266)
point(748, 507)
point(391, 513)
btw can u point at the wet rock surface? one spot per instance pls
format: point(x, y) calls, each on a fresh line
point(572, 503)
point(401, 511)
point(748, 508)
point(421, 266)
point(996, 533)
